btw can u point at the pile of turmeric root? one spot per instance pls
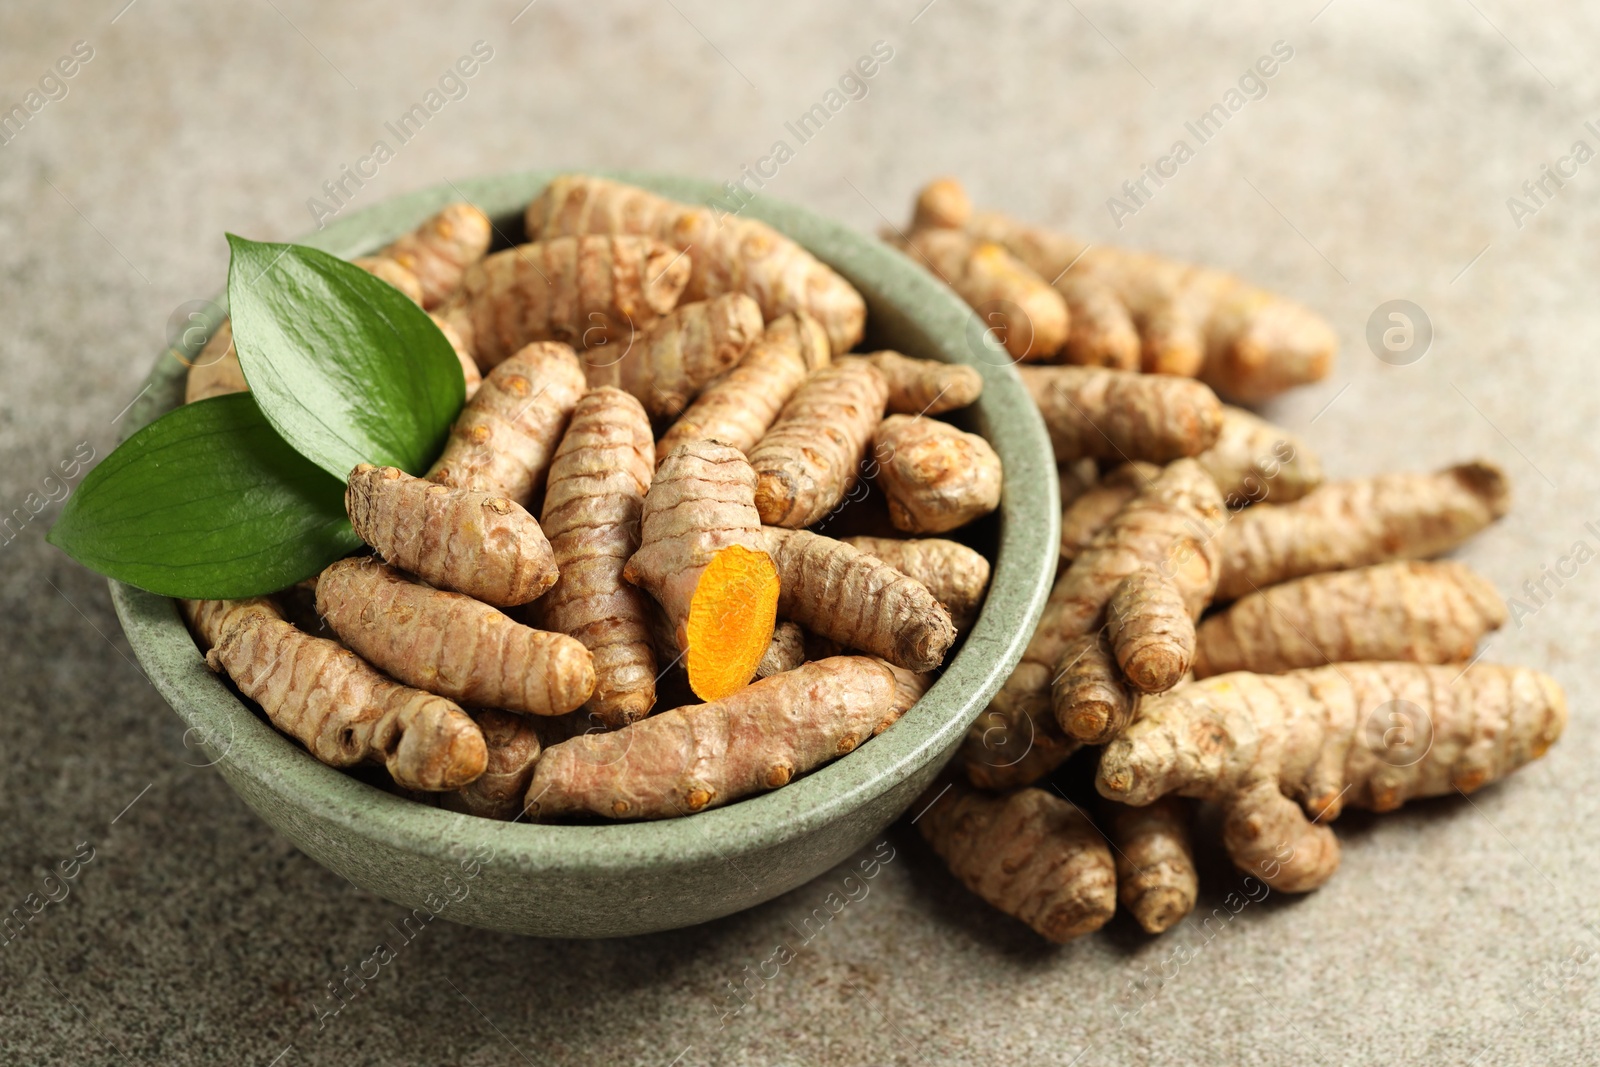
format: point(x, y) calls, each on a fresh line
point(611, 596)
point(1227, 628)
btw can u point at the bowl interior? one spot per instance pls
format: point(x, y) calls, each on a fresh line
point(909, 311)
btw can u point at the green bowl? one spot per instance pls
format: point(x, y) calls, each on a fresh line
point(610, 880)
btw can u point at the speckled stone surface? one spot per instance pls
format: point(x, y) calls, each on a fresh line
point(1377, 167)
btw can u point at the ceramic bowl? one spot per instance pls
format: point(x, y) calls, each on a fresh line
point(610, 880)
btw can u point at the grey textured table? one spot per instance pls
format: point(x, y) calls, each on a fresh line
point(1377, 166)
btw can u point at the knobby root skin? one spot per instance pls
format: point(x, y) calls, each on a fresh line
point(729, 254)
point(1170, 525)
point(1131, 309)
point(1173, 525)
point(1368, 735)
point(739, 407)
point(504, 439)
point(1357, 523)
point(387, 270)
point(582, 291)
point(438, 252)
point(1075, 478)
point(942, 204)
point(926, 386)
point(703, 756)
point(842, 593)
point(592, 511)
point(462, 540)
point(1151, 630)
point(909, 687)
point(1031, 854)
point(1254, 460)
point(1121, 415)
point(1137, 473)
point(470, 373)
point(209, 619)
point(345, 712)
point(513, 749)
point(1091, 703)
point(786, 651)
point(811, 456)
point(451, 644)
point(1420, 612)
point(1244, 342)
point(672, 359)
point(1088, 514)
point(1103, 332)
point(1027, 316)
point(1262, 344)
point(1167, 304)
point(1016, 740)
point(934, 476)
point(215, 370)
point(702, 556)
point(955, 574)
point(1156, 877)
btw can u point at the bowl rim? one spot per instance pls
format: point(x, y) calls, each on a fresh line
point(224, 728)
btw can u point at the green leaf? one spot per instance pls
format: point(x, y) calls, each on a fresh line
point(343, 365)
point(206, 502)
